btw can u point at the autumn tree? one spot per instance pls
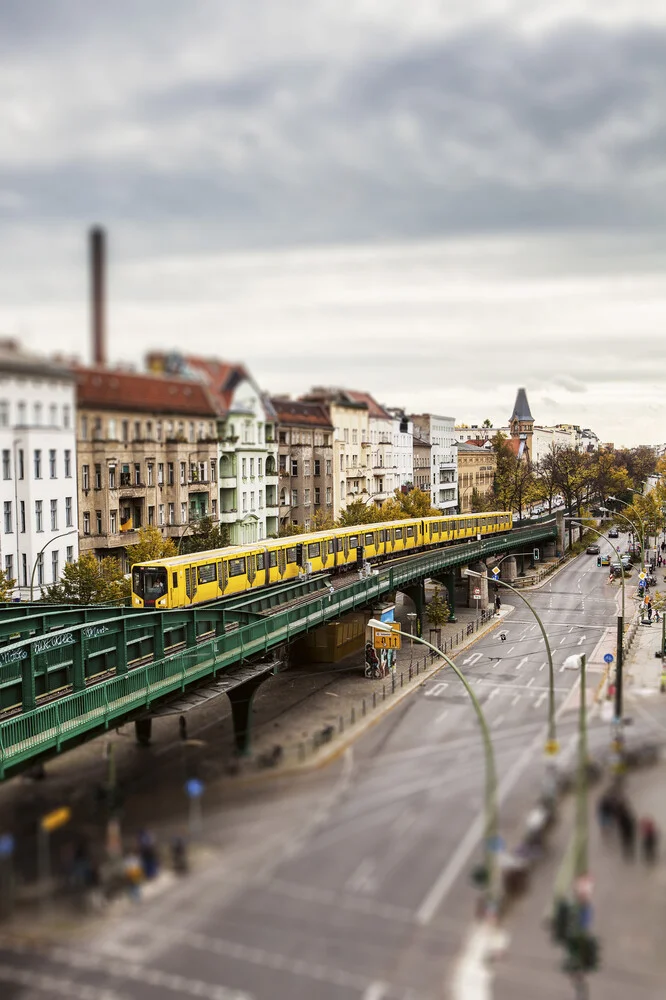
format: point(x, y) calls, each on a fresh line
point(289, 529)
point(206, 536)
point(416, 503)
point(360, 512)
point(6, 586)
point(437, 612)
point(89, 581)
point(151, 545)
point(571, 474)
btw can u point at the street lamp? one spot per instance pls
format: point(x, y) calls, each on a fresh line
point(490, 799)
point(55, 538)
point(641, 533)
point(412, 618)
point(577, 662)
point(552, 746)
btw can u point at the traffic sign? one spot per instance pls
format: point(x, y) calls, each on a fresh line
point(477, 592)
point(6, 845)
point(496, 571)
point(387, 640)
point(608, 658)
point(641, 576)
point(552, 747)
point(194, 788)
point(57, 818)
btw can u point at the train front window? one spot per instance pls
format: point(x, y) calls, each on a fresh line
point(149, 582)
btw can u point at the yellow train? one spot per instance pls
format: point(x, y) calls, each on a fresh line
point(184, 580)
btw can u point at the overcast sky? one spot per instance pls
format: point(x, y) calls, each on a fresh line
point(438, 200)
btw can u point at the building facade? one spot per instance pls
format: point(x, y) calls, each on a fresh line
point(38, 485)
point(352, 477)
point(421, 450)
point(440, 433)
point(402, 433)
point(305, 461)
point(476, 473)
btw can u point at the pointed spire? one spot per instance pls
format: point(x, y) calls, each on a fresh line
point(521, 408)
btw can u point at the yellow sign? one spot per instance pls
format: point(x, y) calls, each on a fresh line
point(387, 640)
point(552, 747)
point(55, 819)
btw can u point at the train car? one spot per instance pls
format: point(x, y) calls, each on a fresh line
point(183, 580)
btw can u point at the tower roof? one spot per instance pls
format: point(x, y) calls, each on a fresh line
point(521, 408)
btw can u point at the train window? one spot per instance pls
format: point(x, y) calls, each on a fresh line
point(313, 549)
point(382, 535)
point(272, 559)
point(398, 532)
point(260, 560)
point(291, 554)
point(410, 532)
point(353, 541)
point(369, 539)
point(331, 546)
point(340, 544)
point(174, 580)
point(236, 567)
point(206, 574)
point(468, 523)
point(435, 528)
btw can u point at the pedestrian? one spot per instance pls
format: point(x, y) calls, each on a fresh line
point(498, 604)
point(656, 615)
point(606, 812)
point(649, 612)
point(182, 727)
point(626, 822)
point(649, 840)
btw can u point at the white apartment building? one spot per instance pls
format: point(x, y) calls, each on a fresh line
point(352, 475)
point(38, 484)
point(402, 434)
point(440, 433)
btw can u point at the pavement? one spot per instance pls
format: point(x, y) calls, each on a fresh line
point(349, 881)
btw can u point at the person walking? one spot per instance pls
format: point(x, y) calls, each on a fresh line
point(649, 840)
point(606, 813)
point(626, 822)
point(498, 604)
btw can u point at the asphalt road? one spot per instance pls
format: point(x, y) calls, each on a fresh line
point(353, 884)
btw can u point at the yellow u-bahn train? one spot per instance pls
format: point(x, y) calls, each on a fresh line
point(181, 581)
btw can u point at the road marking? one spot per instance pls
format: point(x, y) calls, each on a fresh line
point(524, 660)
point(581, 640)
point(56, 985)
point(515, 700)
point(496, 722)
point(544, 664)
point(540, 699)
point(436, 689)
point(375, 991)
point(471, 660)
point(530, 682)
point(533, 627)
point(509, 650)
point(495, 691)
point(563, 639)
point(442, 716)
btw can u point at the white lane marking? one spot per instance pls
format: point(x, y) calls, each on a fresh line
point(57, 985)
point(460, 858)
point(544, 664)
point(471, 660)
point(515, 700)
point(442, 715)
point(496, 722)
point(563, 639)
point(562, 668)
point(375, 991)
point(509, 650)
point(524, 660)
point(472, 979)
point(540, 699)
point(532, 628)
point(436, 689)
point(530, 682)
point(581, 640)
point(495, 691)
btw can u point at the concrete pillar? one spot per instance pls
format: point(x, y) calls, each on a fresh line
point(450, 581)
point(509, 569)
point(241, 698)
point(142, 731)
point(474, 583)
point(549, 550)
point(562, 536)
point(417, 595)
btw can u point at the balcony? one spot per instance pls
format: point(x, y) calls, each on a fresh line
point(227, 482)
point(229, 516)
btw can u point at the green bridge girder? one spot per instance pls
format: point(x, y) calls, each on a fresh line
point(118, 664)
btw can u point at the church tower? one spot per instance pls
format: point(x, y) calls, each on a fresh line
point(521, 425)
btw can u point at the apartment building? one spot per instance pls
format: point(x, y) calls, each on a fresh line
point(38, 484)
point(421, 451)
point(305, 461)
point(440, 433)
point(476, 473)
point(352, 477)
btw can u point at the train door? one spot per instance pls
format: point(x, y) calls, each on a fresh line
point(282, 561)
point(251, 568)
point(222, 576)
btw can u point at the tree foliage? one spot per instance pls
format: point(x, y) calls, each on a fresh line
point(6, 586)
point(89, 581)
point(437, 612)
point(151, 545)
point(416, 503)
point(205, 536)
point(360, 512)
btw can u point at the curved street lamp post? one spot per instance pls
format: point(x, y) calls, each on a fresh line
point(491, 840)
point(55, 538)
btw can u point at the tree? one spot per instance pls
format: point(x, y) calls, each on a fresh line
point(322, 521)
point(437, 612)
point(291, 528)
point(207, 535)
point(416, 503)
point(6, 586)
point(571, 477)
point(359, 512)
point(487, 422)
point(151, 545)
point(89, 581)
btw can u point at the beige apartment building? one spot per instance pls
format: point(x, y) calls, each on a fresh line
point(422, 450)
point(351, 445)
point(305, 461)
point(476, 471)
point(147, 454)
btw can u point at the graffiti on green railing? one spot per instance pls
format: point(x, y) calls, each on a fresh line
point(54, 642)
point(94, 631)
point(13, 655)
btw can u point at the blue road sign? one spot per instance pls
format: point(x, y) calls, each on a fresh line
point(6, 845)
point(496, 573)
point(608, 658)
point(194, 788)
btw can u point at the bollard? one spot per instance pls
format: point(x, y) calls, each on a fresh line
point(353, 715)
point(301, 751)
point(417, 668)
point(374, 699)
point(410, 671)
point(363, 707)
point(392, 683)
point(401, 678)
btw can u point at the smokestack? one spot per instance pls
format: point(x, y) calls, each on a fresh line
point(97, 294)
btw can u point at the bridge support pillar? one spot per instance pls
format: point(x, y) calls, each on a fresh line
point(450, 582)
point(28, 691)
point(142, 731)
point(241, 699)
point(509, 569)
point(480, 584)
point(562, 537)
point(416, 593)
point(549, 550)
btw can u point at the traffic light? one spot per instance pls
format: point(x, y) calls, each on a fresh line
point(535, 555)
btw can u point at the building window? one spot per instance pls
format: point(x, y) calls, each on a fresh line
point(329, 495)
point(191, 432)
point(9, 567)
point(70, 554)
point(137, 430)
point(294, 498)
point(39, 521)
point(112, 477)
point(22, 513)
point(84, 428)
point(244, 468)
point(329, 467)
point(183, 513)
point(151, 515)
point(317, 467)
point(149, 473)
point(149, 430)
point(260, 501)
point(213, 470)
point(158, 430)
point(252, 500)
point(170, 473)
point(112, 429)
point(160, 473)
point(283, 463)
point(85, 477)
point(37, 409)
point(160, 514)
point(137, 474)
point(252, 467)
point(68, 512)
point(183, 474)
point(6, 464)
point(203, 468)
point(53, 415)
point(97, 429)
point(24, 567)
point(86, 522)
point(9, 527)
point(317, 495)
point(172, 513)
point(66, 416)
point(346, 435)
point(260, 467)
point(54, 515)
point(68, 463)
point(244, 502)
point(342, 489)
point(52, 464)
point(306, 467)
point(55, 571)
point(125, 431)
point(306, 496)
point(4, 413)
point(40, 569)
point(294, 467)
point(98, 477)
point(38, 464)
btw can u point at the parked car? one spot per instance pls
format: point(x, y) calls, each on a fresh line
point(593, 550)
point(613, 533)
point(605, 560)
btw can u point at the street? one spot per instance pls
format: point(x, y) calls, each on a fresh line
point(353, 883)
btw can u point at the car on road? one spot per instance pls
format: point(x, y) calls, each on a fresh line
point(593, 550)
point(613, 533)
point(605, 560)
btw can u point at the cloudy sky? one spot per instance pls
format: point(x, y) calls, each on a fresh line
point(438, 200)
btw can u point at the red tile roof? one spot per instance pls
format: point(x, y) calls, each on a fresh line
point(296, 412)
point(109, 389)
point(374, 408)
point(221, 377)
